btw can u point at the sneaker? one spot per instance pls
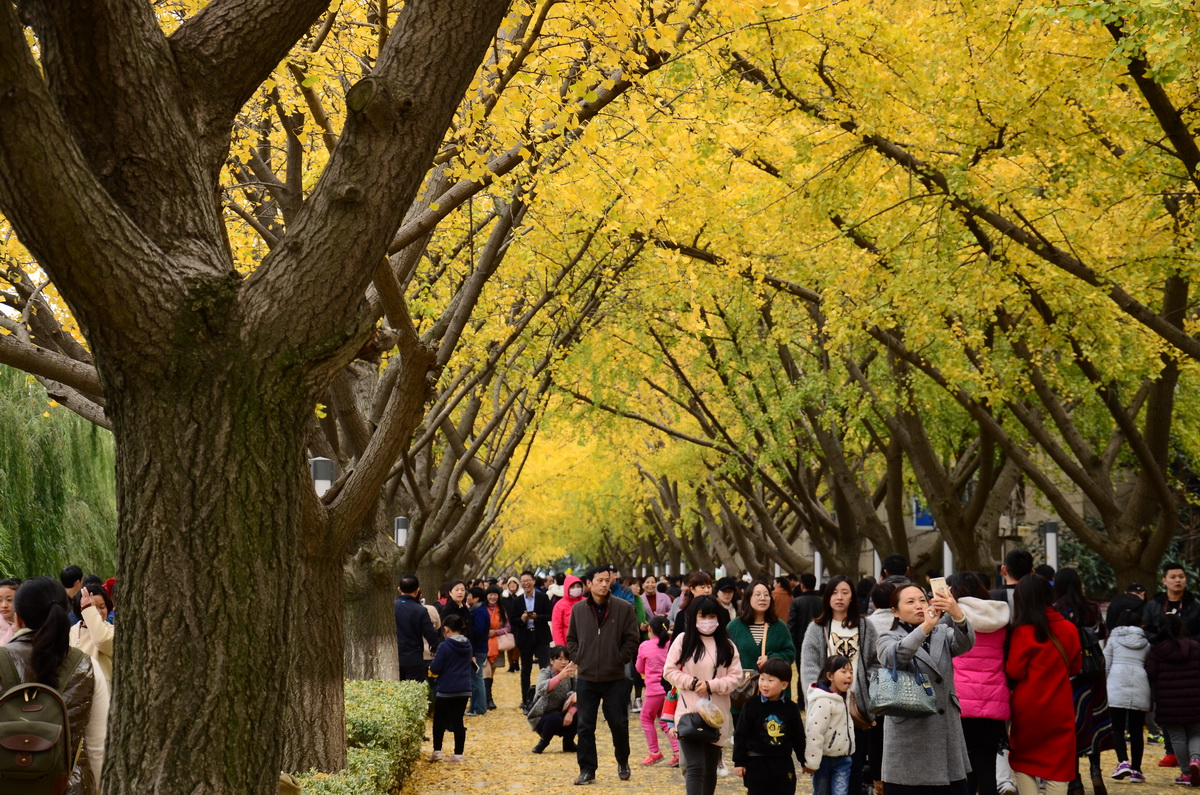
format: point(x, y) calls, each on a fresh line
point(454, 758)
point(1184, 780)
point(722, 771)
point(1194, 772)
point(1136, 777)
point(1123, 771)
point(436, 756)
point(674, 761)
point(1168, 761)
point(653, 758)
point(1154, 738)
point(1005, 788)
point(637, 705)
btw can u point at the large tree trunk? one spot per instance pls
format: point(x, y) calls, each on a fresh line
point(313, 725)
point(210, 500)
point(371, 579)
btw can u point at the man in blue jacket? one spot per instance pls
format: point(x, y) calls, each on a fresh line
point(413, 625)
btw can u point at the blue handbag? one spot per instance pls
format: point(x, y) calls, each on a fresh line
point(900, 693)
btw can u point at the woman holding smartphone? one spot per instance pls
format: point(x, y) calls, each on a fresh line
point(926, 755)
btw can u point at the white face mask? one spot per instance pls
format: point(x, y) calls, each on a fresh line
point(576, 591)
point(707, 626)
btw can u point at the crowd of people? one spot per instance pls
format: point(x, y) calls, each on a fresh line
point(59, 633)
point(1024, 684)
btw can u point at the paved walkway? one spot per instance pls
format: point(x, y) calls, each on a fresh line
point(498, 762)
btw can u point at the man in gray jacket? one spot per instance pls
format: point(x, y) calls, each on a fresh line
point(602, 638)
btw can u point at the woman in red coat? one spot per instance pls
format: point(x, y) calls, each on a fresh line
point(1042, 735)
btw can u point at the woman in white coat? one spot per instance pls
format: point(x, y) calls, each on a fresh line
point(1128, 691)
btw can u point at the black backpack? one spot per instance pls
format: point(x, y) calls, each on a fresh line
point(36, 747)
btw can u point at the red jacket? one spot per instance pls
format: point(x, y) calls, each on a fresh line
point(1042, 737)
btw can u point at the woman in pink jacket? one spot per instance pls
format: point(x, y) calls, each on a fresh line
point(979, 679)
point(560, 616)
point(703, 663)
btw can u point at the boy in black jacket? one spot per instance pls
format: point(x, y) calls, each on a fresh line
point(769, 730)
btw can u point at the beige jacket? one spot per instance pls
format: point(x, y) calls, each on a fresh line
point(95, 640)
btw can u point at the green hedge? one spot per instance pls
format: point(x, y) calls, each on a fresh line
point(385, 722)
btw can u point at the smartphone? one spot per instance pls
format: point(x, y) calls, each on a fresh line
point(939, 587)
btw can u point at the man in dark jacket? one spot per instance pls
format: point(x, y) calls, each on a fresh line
point(1134, 600)
point(805, 607)
point(1174, 599)
point(1018, 564)
point(413, 625)
point(602, 638)
point(529, 615)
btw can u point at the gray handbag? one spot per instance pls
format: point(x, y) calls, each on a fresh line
point(900, 693)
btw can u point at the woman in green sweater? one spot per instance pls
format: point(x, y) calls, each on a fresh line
point(759, 634)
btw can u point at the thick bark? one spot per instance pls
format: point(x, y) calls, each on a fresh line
point(313, 726)
point(370, 578)
point(210, 502)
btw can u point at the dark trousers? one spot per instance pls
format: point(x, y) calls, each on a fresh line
point(1128, 720)
point(414, 673)
point(858, 761)
point(448, 717)
point(529, 653)
point(700, 766)
point(551, 725)
point(588, 699)
point(982, 737)
point(875, 751)
point(770, 775)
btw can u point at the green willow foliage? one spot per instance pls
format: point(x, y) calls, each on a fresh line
point(57, 488)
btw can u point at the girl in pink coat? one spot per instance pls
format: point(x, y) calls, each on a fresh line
point(652, 656)
point(560, 616)
point(979, 678)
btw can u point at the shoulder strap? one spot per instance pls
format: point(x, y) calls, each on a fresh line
point(8, 672)
point(1058, 645)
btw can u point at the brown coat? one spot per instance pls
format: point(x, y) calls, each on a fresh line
point(783, 602)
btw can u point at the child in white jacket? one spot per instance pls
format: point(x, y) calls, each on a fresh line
point(829, 733)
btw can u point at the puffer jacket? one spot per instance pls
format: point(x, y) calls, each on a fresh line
point(86, 697)
point(827, 727)
point(1125, 661)
point(452, 665)
point(1173, 668)
point(979, 673)
point(560, 616)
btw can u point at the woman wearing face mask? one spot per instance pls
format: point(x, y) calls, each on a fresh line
point(926, 755)
point(560, 616)
point(703, 663)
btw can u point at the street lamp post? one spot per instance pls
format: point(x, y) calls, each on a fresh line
point(323, 471)
point(1049, 531)
point(400, 527)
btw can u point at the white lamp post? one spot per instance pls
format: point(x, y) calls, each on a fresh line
point(400, 530)
point(948, 559)
point(817, 566)
point(877, 563)
point(1050, 531)
point(323, 471)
